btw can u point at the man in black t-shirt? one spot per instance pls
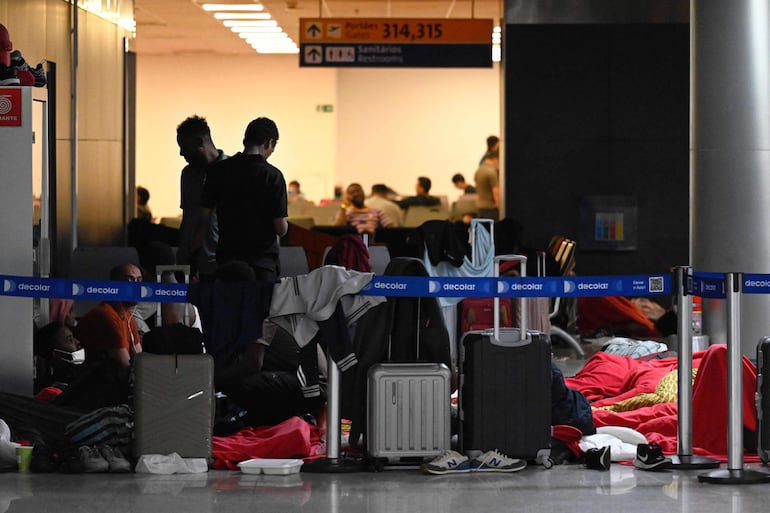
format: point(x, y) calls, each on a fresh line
point(249, 196)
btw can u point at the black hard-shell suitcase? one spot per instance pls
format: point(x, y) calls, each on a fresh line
point(763, 399)
point(505, 389)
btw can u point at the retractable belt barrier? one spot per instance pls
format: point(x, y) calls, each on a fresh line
point(404, 286)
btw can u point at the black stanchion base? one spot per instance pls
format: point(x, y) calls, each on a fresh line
point(334, 466)
point(740, 476)
point(692, 462)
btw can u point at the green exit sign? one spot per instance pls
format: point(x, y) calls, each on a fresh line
point(324, 108)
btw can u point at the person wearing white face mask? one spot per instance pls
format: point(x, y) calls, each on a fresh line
point(58, 356)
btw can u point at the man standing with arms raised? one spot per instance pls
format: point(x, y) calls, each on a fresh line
point(249, 196)
point(194, 139)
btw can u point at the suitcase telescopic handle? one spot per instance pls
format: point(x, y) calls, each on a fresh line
point(523, 302)
point(160, 270)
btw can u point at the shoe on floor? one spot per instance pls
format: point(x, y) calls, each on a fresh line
point(115, 460)
point(92, 460)
point(495, 461)
point(650, 457)
point(450, 462)
point(599, 458)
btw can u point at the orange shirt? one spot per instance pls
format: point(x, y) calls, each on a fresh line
point(106, 327)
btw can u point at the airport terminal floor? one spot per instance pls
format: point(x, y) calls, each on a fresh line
point(562, 488)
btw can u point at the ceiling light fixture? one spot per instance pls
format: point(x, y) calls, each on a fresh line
point(257, 28)
point(233, 7)
point(262, 30)
point(242, 15)
point(258, 36)
point(250, 23)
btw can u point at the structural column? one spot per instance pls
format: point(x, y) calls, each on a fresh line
point(729, 157)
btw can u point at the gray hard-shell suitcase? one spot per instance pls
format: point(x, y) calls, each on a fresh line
point(505, 389)
point(173, 404)
point(408, 408)
point(408, 411)
point(763, 399)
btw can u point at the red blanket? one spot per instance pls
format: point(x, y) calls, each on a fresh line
point(606, 379)
point(292, 438)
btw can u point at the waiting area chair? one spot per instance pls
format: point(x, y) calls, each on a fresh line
point(417, 215)
point(563, 252)
point(293, 260)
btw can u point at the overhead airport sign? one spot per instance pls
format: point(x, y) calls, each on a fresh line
point(395, 42)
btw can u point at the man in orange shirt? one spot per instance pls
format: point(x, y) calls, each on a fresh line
point(108, 331)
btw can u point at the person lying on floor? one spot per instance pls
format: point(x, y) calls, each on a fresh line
point(615, 315)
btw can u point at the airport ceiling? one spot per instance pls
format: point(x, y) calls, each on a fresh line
point(174, 27)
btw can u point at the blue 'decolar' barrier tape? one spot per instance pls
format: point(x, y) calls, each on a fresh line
point(712, 285)
point(409, 286)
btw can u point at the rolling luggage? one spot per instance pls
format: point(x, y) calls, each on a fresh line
point(408, 411)
point(173, 404)
point(505, 389)
point(408, 416)
point(763, 399)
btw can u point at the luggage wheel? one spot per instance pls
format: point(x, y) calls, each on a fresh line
point(545, 461)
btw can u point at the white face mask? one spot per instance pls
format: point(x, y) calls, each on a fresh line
point(78, 356)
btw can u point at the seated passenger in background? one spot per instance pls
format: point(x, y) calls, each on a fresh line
point(460, 183)
point(422, 198)
point(294, 194)
point(143, 211)
point(355, 213)
point(380, 199)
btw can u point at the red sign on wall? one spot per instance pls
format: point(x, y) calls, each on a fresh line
point(10, 107)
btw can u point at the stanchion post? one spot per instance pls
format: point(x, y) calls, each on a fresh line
point(734, 473)
point(685, 460)
point(333, 463)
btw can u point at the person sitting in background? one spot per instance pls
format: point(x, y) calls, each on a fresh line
point(459, 181)
point(355, 213)
point(142, 208)
point(380, 199)
point(295, 194)
point(422, 198)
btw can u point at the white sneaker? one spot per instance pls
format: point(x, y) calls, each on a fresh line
point(450, 462)
point(495, 461)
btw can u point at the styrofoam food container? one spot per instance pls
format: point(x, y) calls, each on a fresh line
point(270, 466)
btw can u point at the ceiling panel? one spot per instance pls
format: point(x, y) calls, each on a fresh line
point(182, 26)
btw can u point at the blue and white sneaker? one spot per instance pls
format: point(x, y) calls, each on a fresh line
point(495, 461)
point(450, 462)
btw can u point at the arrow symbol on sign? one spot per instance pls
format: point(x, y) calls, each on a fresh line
point(314, 53)
point(314, 30)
